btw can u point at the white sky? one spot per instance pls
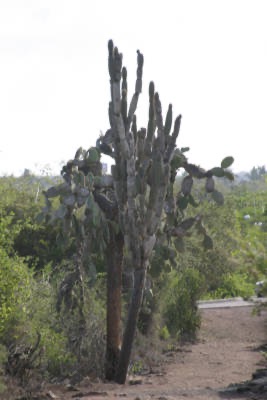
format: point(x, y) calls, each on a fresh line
point(207, 57)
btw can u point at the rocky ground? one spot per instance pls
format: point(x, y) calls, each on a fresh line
point(228, 352)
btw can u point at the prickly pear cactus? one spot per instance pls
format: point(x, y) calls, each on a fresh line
point(140, 191)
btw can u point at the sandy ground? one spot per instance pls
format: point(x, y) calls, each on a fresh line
point(226, 352)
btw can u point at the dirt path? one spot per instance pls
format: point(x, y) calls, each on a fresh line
point(224, 354)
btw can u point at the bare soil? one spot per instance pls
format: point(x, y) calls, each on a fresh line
point(226, 352)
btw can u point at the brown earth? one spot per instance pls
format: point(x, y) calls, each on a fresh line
point(226, 352)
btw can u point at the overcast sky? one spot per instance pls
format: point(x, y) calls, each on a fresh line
point(207, 57)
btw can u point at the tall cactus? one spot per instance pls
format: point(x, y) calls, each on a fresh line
point(136, 196)
point(146, 162)
point(141, 178)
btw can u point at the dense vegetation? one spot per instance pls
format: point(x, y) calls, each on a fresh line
point(53, 325)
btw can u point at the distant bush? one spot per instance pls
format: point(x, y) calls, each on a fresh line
point(20, 232)
point(233, 285)
point(179, 308)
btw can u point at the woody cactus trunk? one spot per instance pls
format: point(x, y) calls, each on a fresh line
point(141, 175)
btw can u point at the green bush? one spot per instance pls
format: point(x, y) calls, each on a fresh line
point(28, 312)
point(55, 357)
point(233, 285)
point(164, 334)
point(20, 231)
point(15, 291)
point(8, 232)
point(27, 309)
point(85, 328)
point(3, 359)
point(179, 308)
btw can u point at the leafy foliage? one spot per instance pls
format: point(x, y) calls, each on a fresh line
point(15, 291)
point(32, 334)
point(19, 231)
point(3, 359)
point(179, 310)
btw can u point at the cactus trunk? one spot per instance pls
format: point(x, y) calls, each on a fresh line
point(114, 284)
point(129, 333)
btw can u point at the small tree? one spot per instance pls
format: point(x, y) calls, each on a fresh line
point(137, 204)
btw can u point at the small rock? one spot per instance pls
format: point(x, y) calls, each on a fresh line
point(259, 381)
point(51, 395)
point(135, 381)
point(86, 382)
point(78, 395)
point(142, 398)
point(71, 388)
point(92, 393)
point(260, 373)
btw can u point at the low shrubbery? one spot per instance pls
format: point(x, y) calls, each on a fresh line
point(35, 336)
point(3, 360)
point(29, 329)
point(233, 285)
point(179, 309)
point(15, 292)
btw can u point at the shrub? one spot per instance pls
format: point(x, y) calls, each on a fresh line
point(3, 359)
point(179, 309)
point(55, 358)
point(164, 333)
point(15, 290)
point(233, 285)
point(85, 328)
point(28, 322)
